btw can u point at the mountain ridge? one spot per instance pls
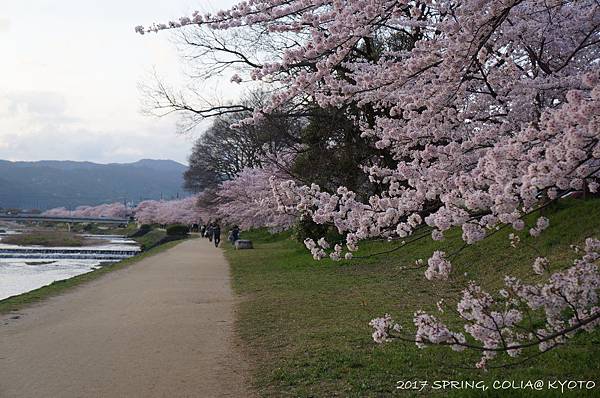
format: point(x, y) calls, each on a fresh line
point(46, 184)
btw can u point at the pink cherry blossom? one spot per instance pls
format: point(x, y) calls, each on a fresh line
point(111, 210)
point(487, 112)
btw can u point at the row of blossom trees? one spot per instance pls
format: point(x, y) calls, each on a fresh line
point(246, 200)
point(111, 210)
point(183, 211)
point(178, 211)
point(485, 112)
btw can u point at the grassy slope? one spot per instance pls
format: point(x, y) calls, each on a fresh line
point(305, 323)
point(17, 302)
point(151, 238)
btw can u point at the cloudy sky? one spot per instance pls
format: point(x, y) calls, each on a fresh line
point(69, 77)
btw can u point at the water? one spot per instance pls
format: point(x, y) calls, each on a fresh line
point(26, 268)
point(18, 277)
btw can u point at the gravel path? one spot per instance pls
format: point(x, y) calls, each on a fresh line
point(162, 327)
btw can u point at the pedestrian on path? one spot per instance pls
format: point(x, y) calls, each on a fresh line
point(216, 231)
point(209, 231)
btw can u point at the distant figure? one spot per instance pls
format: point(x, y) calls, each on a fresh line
point(234, 234)
point(216, 232)
point(209, 231)
point(203, 231)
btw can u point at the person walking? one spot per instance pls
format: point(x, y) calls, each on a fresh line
point(209, 231)
point(234, 234)
point(216, 232)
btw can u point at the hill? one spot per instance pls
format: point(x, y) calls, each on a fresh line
point(51, 183)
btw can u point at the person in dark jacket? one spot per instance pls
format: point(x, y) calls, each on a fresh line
point(216, 234)
point(234, 234)
point(209, 231)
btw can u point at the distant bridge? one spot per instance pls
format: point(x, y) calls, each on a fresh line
point(68, 220)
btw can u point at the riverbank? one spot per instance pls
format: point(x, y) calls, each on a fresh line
point(305, 323)
point(16, 303)
point(54, 238)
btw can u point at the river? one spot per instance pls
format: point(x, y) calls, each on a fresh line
point(26, 268)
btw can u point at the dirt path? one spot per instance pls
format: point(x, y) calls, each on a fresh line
point(159, 328)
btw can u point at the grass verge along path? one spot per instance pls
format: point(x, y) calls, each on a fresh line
point(305, 323)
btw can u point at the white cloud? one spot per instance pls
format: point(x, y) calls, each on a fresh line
point(4, 24)
point(38, 125)
point(38, 103)
point(70, 72)
point(73, 143)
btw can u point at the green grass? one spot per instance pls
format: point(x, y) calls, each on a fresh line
point(305, 323)
point(130, 228)
point(16, 303)
point(151, 238)
point(100, 229)
point(47, 238)
point(159, 237)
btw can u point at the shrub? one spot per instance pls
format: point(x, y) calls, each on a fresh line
point(145, 227)
point(143, 230)
point(89, 227)
point(177, 230)
point(156, 238)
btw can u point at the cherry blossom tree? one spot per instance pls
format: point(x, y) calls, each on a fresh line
point(57, 212)
point(248, 201)
point(146, 212)
point(111, 210)
point(226, 148)
point(500, 323)
point(489, 110)
point(179, 211)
